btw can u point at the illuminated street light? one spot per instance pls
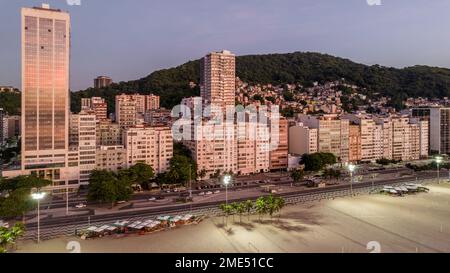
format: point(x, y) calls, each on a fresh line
point(351, 169)
point(38, 196)
point(438, 160)
point(226, 182)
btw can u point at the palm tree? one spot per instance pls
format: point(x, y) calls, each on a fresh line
point(270, 205)
point(241, 209)
point(261, 207)
point(249, 205)
point(280, 203)
point(234, 208)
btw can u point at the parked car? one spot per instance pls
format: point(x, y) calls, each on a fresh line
point(201, 194)
point(216, 192)
point(4, 224)
point(209, 193)
point(151, 199)
point(80, 206)
point(121, 202)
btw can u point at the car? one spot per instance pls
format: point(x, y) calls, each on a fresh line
point(216, 192)
point(201, 194)
point(209, 193)
point(151, 199)
point(80, 206)
point(4, 224)
point(160, 197)
point(121, 202)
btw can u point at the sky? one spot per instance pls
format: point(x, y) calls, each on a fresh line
point(129, 39)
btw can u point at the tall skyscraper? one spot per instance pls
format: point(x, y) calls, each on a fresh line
point(45, 91)
point(218, 79)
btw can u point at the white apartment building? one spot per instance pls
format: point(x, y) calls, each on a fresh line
point(82, 138)
point(218, 79)
point(333, 134)
point(371, 135)
point(214, 148)
point(149, 145)
point(303, 140)
point(130, 109)
point(111, 158)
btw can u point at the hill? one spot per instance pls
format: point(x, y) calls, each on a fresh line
point(299, 67)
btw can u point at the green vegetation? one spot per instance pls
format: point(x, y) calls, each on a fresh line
point(9, 236)
point(427, 167)
point(140, 174)
point(318, 161)
point(263, 205)
point(298, 175)
point(16, 199)
point(332, 174)
point(385, 161)
point(182, 167)
point(10, 102)
point(108, 187)
point(304, 68)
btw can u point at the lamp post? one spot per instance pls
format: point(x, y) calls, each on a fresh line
point(438, 160)
point(226, 181)
point(38, 196)
point(351, 169)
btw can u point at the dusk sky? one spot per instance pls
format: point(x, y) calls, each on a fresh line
point(129, 39)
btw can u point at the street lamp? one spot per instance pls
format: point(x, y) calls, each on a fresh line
point(226, 181)
point(438, 160)
point(351, 169)
point(38, 196)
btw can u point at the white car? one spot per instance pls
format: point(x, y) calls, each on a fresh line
point(209, 193)
point(152, 199)
point(80, 206)
point(216, 192)
point(201, 194)
point(121, 202)
point(4, 224)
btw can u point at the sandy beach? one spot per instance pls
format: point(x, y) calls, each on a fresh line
point(416, 223)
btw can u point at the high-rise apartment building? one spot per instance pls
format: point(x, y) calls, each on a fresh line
point(82, 138)
point(131, 109)
point(371, 136)
point(302, 140)
point(108, 133)
point(279, 156)
point(218, 79)
point(111, 158)
point(440, 130)
point(333, 134)
point(97, 106)
point(102, 81)
point(45, 92)
point(149, 145)
point(214, 148)
point(354, 143)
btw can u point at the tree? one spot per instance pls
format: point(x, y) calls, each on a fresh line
point(280, 203)
point(271, 205)
point(8, 237)
point(202, 174)
point(261, 207)
point(140, 174)
point(17, 191)
point(182, 169)
point(240, 209)
point(106, 187)
point(316, 162)
point(234, 208)
point(249, 205)
point(297, 175)
point(227, 210)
